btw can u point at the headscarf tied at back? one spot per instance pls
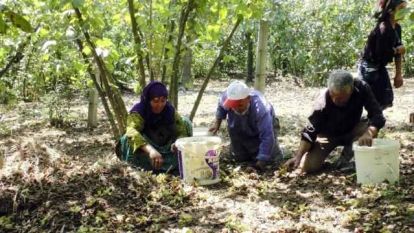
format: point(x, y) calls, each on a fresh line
point(152, 90)
point(385, 7)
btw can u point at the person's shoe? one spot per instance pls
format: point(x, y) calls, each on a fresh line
point(349, 167)
point(346, 155)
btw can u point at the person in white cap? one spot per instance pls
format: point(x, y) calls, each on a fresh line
point(251, 123)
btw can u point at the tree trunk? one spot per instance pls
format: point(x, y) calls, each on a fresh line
point(210, 72)
point(185, 12)
point(93, 108)
point(138, 44)
point(114, 127)
point(250, 69)
point(24, 88)
point(187, 61)
point(165, 52)
point(150, 45)
point(16, 58)
point(113, 94)
point(261, 53)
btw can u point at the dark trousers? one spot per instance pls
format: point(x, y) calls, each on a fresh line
point(245, 149)
point(315, 158)
point(378, 79)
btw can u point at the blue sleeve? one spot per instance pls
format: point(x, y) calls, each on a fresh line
point(221, 112)
point(266, 135)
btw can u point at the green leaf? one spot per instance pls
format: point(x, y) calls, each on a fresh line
point(78, 3)
point(104, 43)
point(87, 50)
point(43, 32)
point(412, 16)
point(184, 219)
point(402, 13)
point(3, 26)
point(18, 21)
point(223, 13)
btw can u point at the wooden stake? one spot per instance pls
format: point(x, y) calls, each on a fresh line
point(93, 107)
point(261, 52)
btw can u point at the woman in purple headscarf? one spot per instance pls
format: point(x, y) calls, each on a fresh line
point(153, 126)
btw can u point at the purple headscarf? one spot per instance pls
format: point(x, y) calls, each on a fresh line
point(152, 90)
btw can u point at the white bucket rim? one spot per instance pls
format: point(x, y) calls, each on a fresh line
point(390, 143)
point(198, 139)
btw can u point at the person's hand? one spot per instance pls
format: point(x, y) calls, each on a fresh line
point(292, 163)
point(260, 165)
point(398, 80)
point(214, 129)
point(156, 159)
point(400, 50)
point(365, 139)
point(173, 148)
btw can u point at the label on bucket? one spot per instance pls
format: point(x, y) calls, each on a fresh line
point(212, 161)
point(180, 164)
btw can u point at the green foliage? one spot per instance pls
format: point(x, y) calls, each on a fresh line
point(407, 16)
point(319, 36)
point(315, 38)
point(58, 103)
point(6, 223)
point(17, 20)
point(307, 38)
point(234, 224)
point(7, 96)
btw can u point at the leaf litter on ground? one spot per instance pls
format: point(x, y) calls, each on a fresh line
point(68, 179)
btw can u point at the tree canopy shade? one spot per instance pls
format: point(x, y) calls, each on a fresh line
point(131, 41)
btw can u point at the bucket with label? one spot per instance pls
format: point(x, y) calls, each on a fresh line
point(198, 159)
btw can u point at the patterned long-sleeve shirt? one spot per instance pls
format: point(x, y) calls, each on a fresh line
point(135, 127)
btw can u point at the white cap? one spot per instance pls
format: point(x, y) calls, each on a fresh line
point(237, 90)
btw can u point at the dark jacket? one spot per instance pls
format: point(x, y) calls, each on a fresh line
point(383, 39)
point(331, 120)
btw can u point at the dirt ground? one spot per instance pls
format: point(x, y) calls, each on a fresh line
point(68, 178)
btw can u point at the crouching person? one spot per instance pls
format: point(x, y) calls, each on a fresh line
point(153, 126)
point(251, 123)
point(336, 121)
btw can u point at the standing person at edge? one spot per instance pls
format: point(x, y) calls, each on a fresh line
point(153, 126)
point(384, 44)
point(251, 123)
point(336, 121)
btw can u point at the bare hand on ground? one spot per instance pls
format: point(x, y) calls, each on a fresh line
point(260, 165)
point(214, 129)
point(156, 159)
point(292, 164)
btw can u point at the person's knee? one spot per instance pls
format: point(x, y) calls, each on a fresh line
point(309, 165)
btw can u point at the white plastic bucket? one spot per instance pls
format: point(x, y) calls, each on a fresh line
point(198, 159)
point(377, 163)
